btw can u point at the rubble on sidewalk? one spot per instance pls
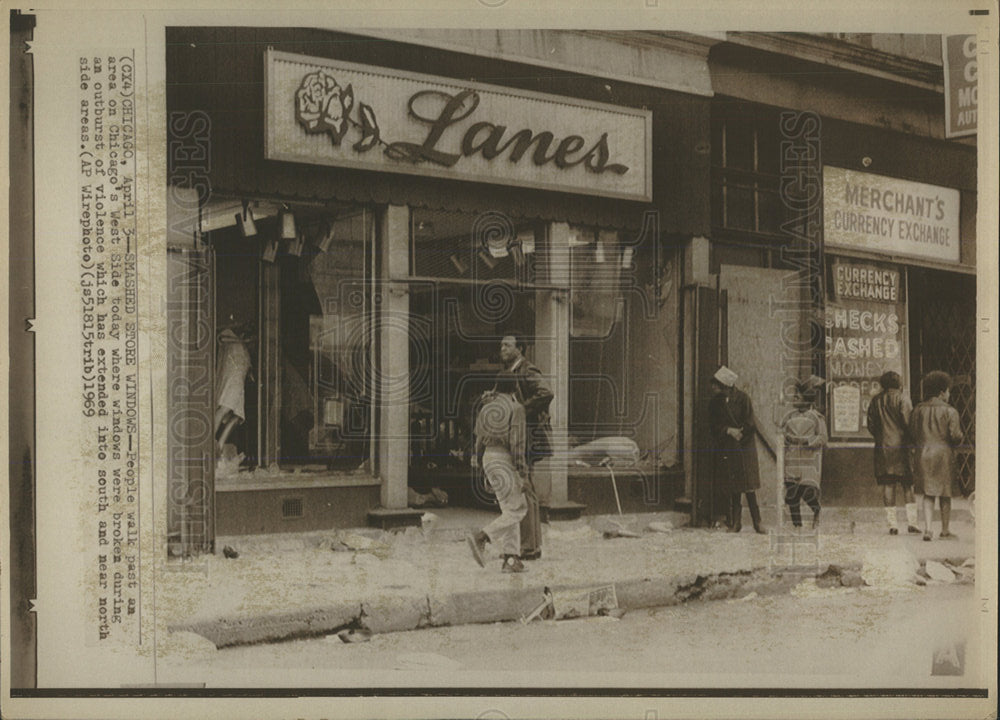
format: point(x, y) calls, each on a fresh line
point(892, 568)
point(836, 576)
point(620, 532)
point(436, 498)
point(354, 635)
point(348, 541)
point(577, 603)
point(937, 571)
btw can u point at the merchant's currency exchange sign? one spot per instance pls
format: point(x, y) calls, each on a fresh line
point(879, 214)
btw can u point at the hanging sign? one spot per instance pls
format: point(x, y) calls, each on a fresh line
point(885, 215)
point(961, 85)
point(328, 112)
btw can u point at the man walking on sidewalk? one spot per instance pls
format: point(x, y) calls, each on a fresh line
point(500, 437)
point(524, 380)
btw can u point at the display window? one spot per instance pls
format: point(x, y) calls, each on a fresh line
point(293, 319)
point(599, 355)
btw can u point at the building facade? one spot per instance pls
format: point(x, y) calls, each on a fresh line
point(357, 219)
point(840, 209)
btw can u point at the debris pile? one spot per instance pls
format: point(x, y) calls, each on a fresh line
point(599, 601)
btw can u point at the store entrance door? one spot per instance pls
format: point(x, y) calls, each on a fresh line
point(455, 333)
point(943, 337)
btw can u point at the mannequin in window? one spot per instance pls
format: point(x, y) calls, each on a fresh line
point(232, 370)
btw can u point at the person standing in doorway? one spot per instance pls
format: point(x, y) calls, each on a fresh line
point(500, 436)
point(731, 421)
point(888, 422)
point(935, 429)
point(524, 381)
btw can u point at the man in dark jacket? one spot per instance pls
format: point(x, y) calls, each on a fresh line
point(888, 419)
point(731, 421)
point(524, 381)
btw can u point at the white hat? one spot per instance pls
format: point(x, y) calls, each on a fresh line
point(725, 376)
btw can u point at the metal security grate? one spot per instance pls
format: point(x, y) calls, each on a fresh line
point(943, 308)
point(291, 508)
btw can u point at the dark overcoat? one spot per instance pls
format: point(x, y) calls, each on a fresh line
point(736, 460)
point(530, 390)
point(888, 422)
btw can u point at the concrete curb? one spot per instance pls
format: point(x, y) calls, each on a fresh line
point(400, 613)
point(389, 613)
point(275, 627)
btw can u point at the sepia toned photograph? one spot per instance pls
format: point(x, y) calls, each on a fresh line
point(366, 366)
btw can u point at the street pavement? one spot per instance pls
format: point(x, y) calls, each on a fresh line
point(282, 587)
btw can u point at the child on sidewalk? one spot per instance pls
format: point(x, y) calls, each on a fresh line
point(805, 437)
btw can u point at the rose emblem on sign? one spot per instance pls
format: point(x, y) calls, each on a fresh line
point(322, 105)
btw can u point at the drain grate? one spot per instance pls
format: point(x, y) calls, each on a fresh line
point(291, 508)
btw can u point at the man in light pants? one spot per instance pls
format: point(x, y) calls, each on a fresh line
point(500, 437)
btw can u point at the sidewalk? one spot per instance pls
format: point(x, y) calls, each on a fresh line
point(299, 585)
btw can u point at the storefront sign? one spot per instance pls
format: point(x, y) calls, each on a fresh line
point(861, 282)
point(896, 217)
point(328, 112)
point(846, 400)
point(865, 335)
point(961, 85)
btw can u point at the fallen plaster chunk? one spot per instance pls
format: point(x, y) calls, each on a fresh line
point(937, 571)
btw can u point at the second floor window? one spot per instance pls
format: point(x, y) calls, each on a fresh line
point(746, 161)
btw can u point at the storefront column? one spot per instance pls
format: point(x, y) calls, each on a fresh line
point(392, 327)
point(552, 355)
point(696, 275)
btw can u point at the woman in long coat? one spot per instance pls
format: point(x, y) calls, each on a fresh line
point(888, 422)
point(730, 415)
point(935, 429)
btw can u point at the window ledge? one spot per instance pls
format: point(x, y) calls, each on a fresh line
point(293, 480)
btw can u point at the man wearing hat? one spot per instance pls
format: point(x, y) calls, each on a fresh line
point(730, 416)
